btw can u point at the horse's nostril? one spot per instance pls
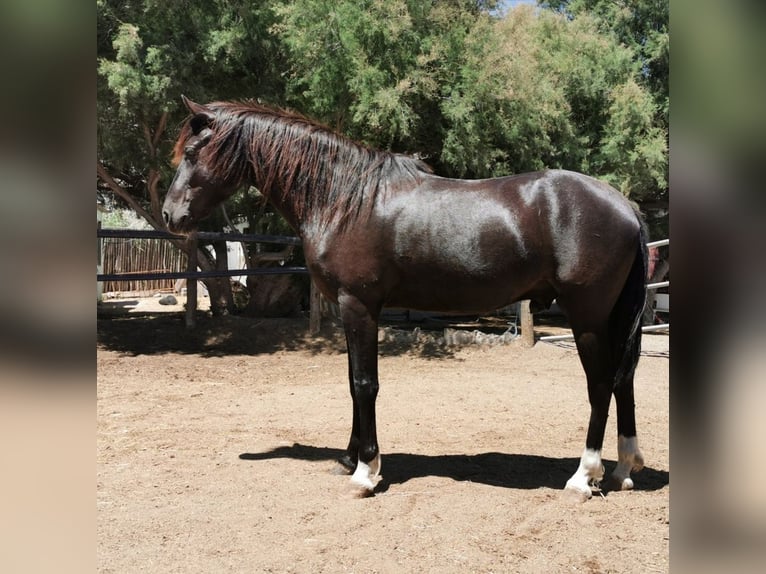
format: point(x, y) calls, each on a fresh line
point(166, 217)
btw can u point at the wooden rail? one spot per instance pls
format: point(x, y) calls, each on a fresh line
point(193, 273)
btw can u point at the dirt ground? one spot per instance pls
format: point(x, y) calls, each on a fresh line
point(216, 452)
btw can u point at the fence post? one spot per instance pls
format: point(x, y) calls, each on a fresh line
point(315, 310)
point(527, 324)
point(191, 284)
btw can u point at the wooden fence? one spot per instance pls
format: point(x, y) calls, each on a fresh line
point(166, 265)
point(191, 264)
point(131, 256)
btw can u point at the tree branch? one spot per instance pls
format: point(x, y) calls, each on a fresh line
point(154, 174)
point(153, 141)
point(204, 260)
point(118, 190)
point(160, 129)
point(149, 139)
point(154, 196)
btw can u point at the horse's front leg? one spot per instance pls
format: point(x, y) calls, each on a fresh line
point(360, 323)
point(351, 456)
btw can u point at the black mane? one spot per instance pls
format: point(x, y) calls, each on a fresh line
point(326, 175)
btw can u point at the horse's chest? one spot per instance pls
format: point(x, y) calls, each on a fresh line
point(354, 261)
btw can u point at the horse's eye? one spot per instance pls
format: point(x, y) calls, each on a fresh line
point(190, 150)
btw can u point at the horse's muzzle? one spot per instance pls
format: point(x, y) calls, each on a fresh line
point(182, 225)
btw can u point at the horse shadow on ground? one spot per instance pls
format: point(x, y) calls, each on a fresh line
point(517, 471)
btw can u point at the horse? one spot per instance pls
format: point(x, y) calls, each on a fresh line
point(381, 229)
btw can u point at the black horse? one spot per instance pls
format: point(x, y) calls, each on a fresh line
point(380, 229)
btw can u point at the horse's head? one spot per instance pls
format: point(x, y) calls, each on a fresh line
point(196, 188)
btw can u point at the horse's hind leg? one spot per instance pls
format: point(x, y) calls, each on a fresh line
point(595, 355)
point(629, 457)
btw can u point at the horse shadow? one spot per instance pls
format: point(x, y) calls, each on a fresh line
point(516, 471)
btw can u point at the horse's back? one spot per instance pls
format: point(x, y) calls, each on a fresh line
point(475, 245)
point(538, 212)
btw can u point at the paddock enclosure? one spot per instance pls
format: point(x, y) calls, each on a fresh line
point(216, 449)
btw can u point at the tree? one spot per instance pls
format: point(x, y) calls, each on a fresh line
point(538, 90)
point(149, 53)
point(375, 70)
point(473, 93)
point(641, 26)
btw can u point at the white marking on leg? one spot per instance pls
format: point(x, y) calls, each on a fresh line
point(629, 459)
point(365, 473)
point(589, 473)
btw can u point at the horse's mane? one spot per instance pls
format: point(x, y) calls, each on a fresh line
point(325, 174)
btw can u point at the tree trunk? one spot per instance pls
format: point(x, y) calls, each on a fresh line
point(153, 178)
point(222, 301)
point(527, 324)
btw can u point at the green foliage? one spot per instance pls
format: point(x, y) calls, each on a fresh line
point(477, 115)
point(582, 86)
point(123, 219)
point(538, 90)
point(355, 66)
point(642, 26)
point(632, 154)
point(150, 52)
point(139, 78)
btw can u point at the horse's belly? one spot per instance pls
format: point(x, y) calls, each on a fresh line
point(451, 294)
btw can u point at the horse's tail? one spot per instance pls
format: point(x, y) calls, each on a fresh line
point(625, 319)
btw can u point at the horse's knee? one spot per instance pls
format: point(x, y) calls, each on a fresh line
point(366, 390)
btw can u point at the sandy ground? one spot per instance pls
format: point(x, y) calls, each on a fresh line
point(216, 453)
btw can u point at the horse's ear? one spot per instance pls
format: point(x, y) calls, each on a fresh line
point(198, 109)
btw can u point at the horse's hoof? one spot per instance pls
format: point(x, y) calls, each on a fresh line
point(362, 486)
point(582, 484)
point(576, 493)
point(361, 490)
point(364, 475)
point(630, 460)
point(621, 483)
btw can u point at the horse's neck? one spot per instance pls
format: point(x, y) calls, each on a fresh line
point(290, 197)
point(281, 202)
